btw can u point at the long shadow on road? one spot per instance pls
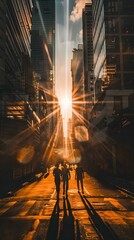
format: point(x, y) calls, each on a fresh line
point(101, 227)
point(67, 224)
point(53, 229)
point(64, 229)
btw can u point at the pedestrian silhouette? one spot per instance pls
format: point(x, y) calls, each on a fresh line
point(79, 175)
point(65, 176)
point(57, 177)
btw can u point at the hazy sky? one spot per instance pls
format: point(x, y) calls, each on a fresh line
point(68, 35)
point(66, 42)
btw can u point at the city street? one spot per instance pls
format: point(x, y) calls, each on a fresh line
point(33, 212)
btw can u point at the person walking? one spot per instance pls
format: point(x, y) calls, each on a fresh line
point(79, 175)
point(57, 178)
point(65, 176)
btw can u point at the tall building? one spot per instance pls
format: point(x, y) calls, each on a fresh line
point(77, 71)
point(113, 50)
point(88, 57)
point(18, 38)
point(15, 64)
point(43, 40)
point(2, 42)
point(77, 83)
point(88, 48)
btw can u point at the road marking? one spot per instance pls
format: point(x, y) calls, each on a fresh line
point(26, 207)
point(52, 195)
point(30, 235)
point(115, 203)
point(86, 191)
point(6, 207)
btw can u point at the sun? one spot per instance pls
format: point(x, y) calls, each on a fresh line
point(65, 103)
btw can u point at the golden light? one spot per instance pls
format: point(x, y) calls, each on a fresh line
point(66, 104)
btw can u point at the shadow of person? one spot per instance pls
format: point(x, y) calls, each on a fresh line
point(53, 229)
point(67, 224)
point(100, 225)
point(78, 234)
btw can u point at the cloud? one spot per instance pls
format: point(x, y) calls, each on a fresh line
point(81, 34)
point(76, 13)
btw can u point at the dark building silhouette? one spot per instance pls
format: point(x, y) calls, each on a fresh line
point(108, 35)
point(88, 57)
point(112, 114)
point(43, 40)
point(77, 70)
point(78, 77)
point(18, 38)
point(18, 110)
point(2, 43)
point(88, 48)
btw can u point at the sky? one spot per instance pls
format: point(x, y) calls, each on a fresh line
point(68, 36)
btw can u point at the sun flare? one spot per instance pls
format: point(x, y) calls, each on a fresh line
point(66, 104)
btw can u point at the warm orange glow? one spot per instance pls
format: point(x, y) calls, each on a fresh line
point(66, 105)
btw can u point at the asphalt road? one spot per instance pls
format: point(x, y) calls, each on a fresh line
point(33, 212)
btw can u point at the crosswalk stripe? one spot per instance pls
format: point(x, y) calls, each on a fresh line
point(6, 207)
point(26, 207)
point(115, 203)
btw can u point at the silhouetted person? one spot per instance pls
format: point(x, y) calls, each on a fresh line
point(57, 176)
point(65, 176)
point(79, 175)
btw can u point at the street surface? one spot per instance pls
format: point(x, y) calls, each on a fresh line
point(33, 212)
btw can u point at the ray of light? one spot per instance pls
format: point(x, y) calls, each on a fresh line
point(80, 117)
point(51, 144)
point(22, 137)
point(79, 108)
point(48, 54)
point(75, 98)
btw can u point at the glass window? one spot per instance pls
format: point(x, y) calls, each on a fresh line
point(128, 62)
point(128, 25)
point(111, 25)
point(128, 43)
point(115, 81)
point(129, 81)
point(113, 60)
point(117, 103)
point(112, 44)
point(111, 6)
point(127, 6)
point(131, 101)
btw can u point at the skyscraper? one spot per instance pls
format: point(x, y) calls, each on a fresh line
point(88, 57)
point(113, 49)
point(15, 65)
point(43, 40)
point(18, 38)
point(77, 81)
point(2, 43)
point(88, 48)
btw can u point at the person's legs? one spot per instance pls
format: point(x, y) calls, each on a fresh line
point(66, 186)
point(63, 187)
point(78, 184)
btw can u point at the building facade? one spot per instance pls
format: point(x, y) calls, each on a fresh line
point(43, 40)
point(2, 43)
point(77, 71)
point(88, 58)
point(113, 50)
point(18, 39)
point(88, 48)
